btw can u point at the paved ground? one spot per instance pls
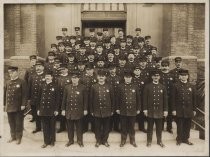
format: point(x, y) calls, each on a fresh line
point(30, 145)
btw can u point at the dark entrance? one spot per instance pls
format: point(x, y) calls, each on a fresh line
point(112, 26)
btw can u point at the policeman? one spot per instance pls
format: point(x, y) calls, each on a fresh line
point(99, 37)
point(35, 82)
point(55, 70)
point(107, 46)
point(82, 55)
point(102, 108)
point(166, 79)
point(91, 57)
point(50, 60)
point(183, 106)
point(142, 49)
point(88, 79)
point(73, 41)
point(158, 61)
point(154, 51)
point(15, 99)
point(150, 62)
point(77, 33)
point(81, 67)
point(30, 71)
point(65, 37)
point(121, 67)
point(74, 106)
point(129, 42)
point(63, 79)
point(92, 33)
point(138, 35)
point(175, 71)
point(47, 108)
point(129, 104)
point(120, 36)
point(105, 33)
point(71, 65)
point(123, 49)
point(140, 81)
point(114, 80)
point(155, 106)
point(148, 45)
point(59, 39)
point(93, 43)
point(53, 48)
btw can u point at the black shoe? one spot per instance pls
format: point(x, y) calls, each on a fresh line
point(149, 144)
point(81, 144)
point(36, 130)
point(11, 140)
point(161, 144)
point(52, 144)
point(143, 130)
point(106, 144)
point(133, 144)
point(18, 141)
point(60, 130)
point(97, 144)
point(44, 146)
point(170, 131)
point(188, 142)
point(69, 143)
point(178, 143)
point(122, 144)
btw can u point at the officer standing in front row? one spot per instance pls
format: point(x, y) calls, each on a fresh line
point(47, 108)
point(129, 104)
point(74, 106)
point(14, 102)
point(183, 106)
point(155, 107)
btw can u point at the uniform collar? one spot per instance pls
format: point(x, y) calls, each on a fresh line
point(183, 82)
point(48, 82)
point(40, 73)
point(15, 78)
point(155, 82)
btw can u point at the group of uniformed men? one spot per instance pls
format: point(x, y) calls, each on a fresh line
point(106, 81)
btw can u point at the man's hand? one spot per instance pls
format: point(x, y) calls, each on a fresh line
point(145, 113)
point(137, 111)
point(118, 111)
point(22, 108)
point(63, 113)
point(112, 113)
point(85, 112)
point(92, 114)
point(56, 113)
point(194, 113)
point(38, 112)
point(165, 113)
point(174, 113)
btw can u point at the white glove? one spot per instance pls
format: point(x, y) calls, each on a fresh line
point(23, 108)
point(165, 113)
point(56, 113)
point(63, 113)
point(137, 111)
point(38, 112)
point(174, 113)
point(85, 112)
point(145, 113)
point(118, 111)
point(194, 113)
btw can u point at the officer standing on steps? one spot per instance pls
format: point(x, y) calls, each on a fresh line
point(47, 108)
point(183, 106)
point(102, 108)
point(155, 106)
point(14, 101)
point(74, 106)
point(129, 104)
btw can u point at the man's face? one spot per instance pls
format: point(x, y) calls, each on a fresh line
point(112, 71)
point(136, 52)
point(48, 78)
point(120, 34)
point(39, 68)
point(141, 44)
point(75, 80)
point(64, 71)
point(143, 64)
point(165, 68)
point(127, 79)
point(92, 44)
point(158, 64)
point(72, 41)
point(149, 57)
point(129, 40)
point(54, 49)
point(184, 77)
point(116, 51)
point(81, 67)
point(113, 40)
point(178, 64)
point(138, 33)
point(122, 62)
point(148, 41)
point(123, 44)
point(77, 32)
point(32, 62)
point(51, 57)
point(101, 78)
point(131, 57)
point(64, 33)
point(71, 59)
point(156, 77)
point(77, 46)
point(91, 57)
point(100, 63)
point(110, 56)
point(89, 71)
point(82, 51)
point(61, 47)
point(68, 48)
point(99, 37)
point(99, 49)
point(13, 74)
point(137, 71)
point(87, 42)
point(107, 45)
point(154, 52)
point(92, 34)
point(106, 33)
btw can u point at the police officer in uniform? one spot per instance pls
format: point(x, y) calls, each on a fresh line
point(30, 71)
point(77, 33)
point(63, 79)
point(155, 106)
point(166, 79)
point(183, 107)
point(35, 83)
point(102, 108)
point(129, 104)
point(47, 108)
point(15, 99)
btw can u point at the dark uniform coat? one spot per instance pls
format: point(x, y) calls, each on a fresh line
point(155, 100)
point(48, 102)
point(102, 100)
point(75, 101)
point(29, 72)
point(184, 99)
point(129, 99)
point(15, 95)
